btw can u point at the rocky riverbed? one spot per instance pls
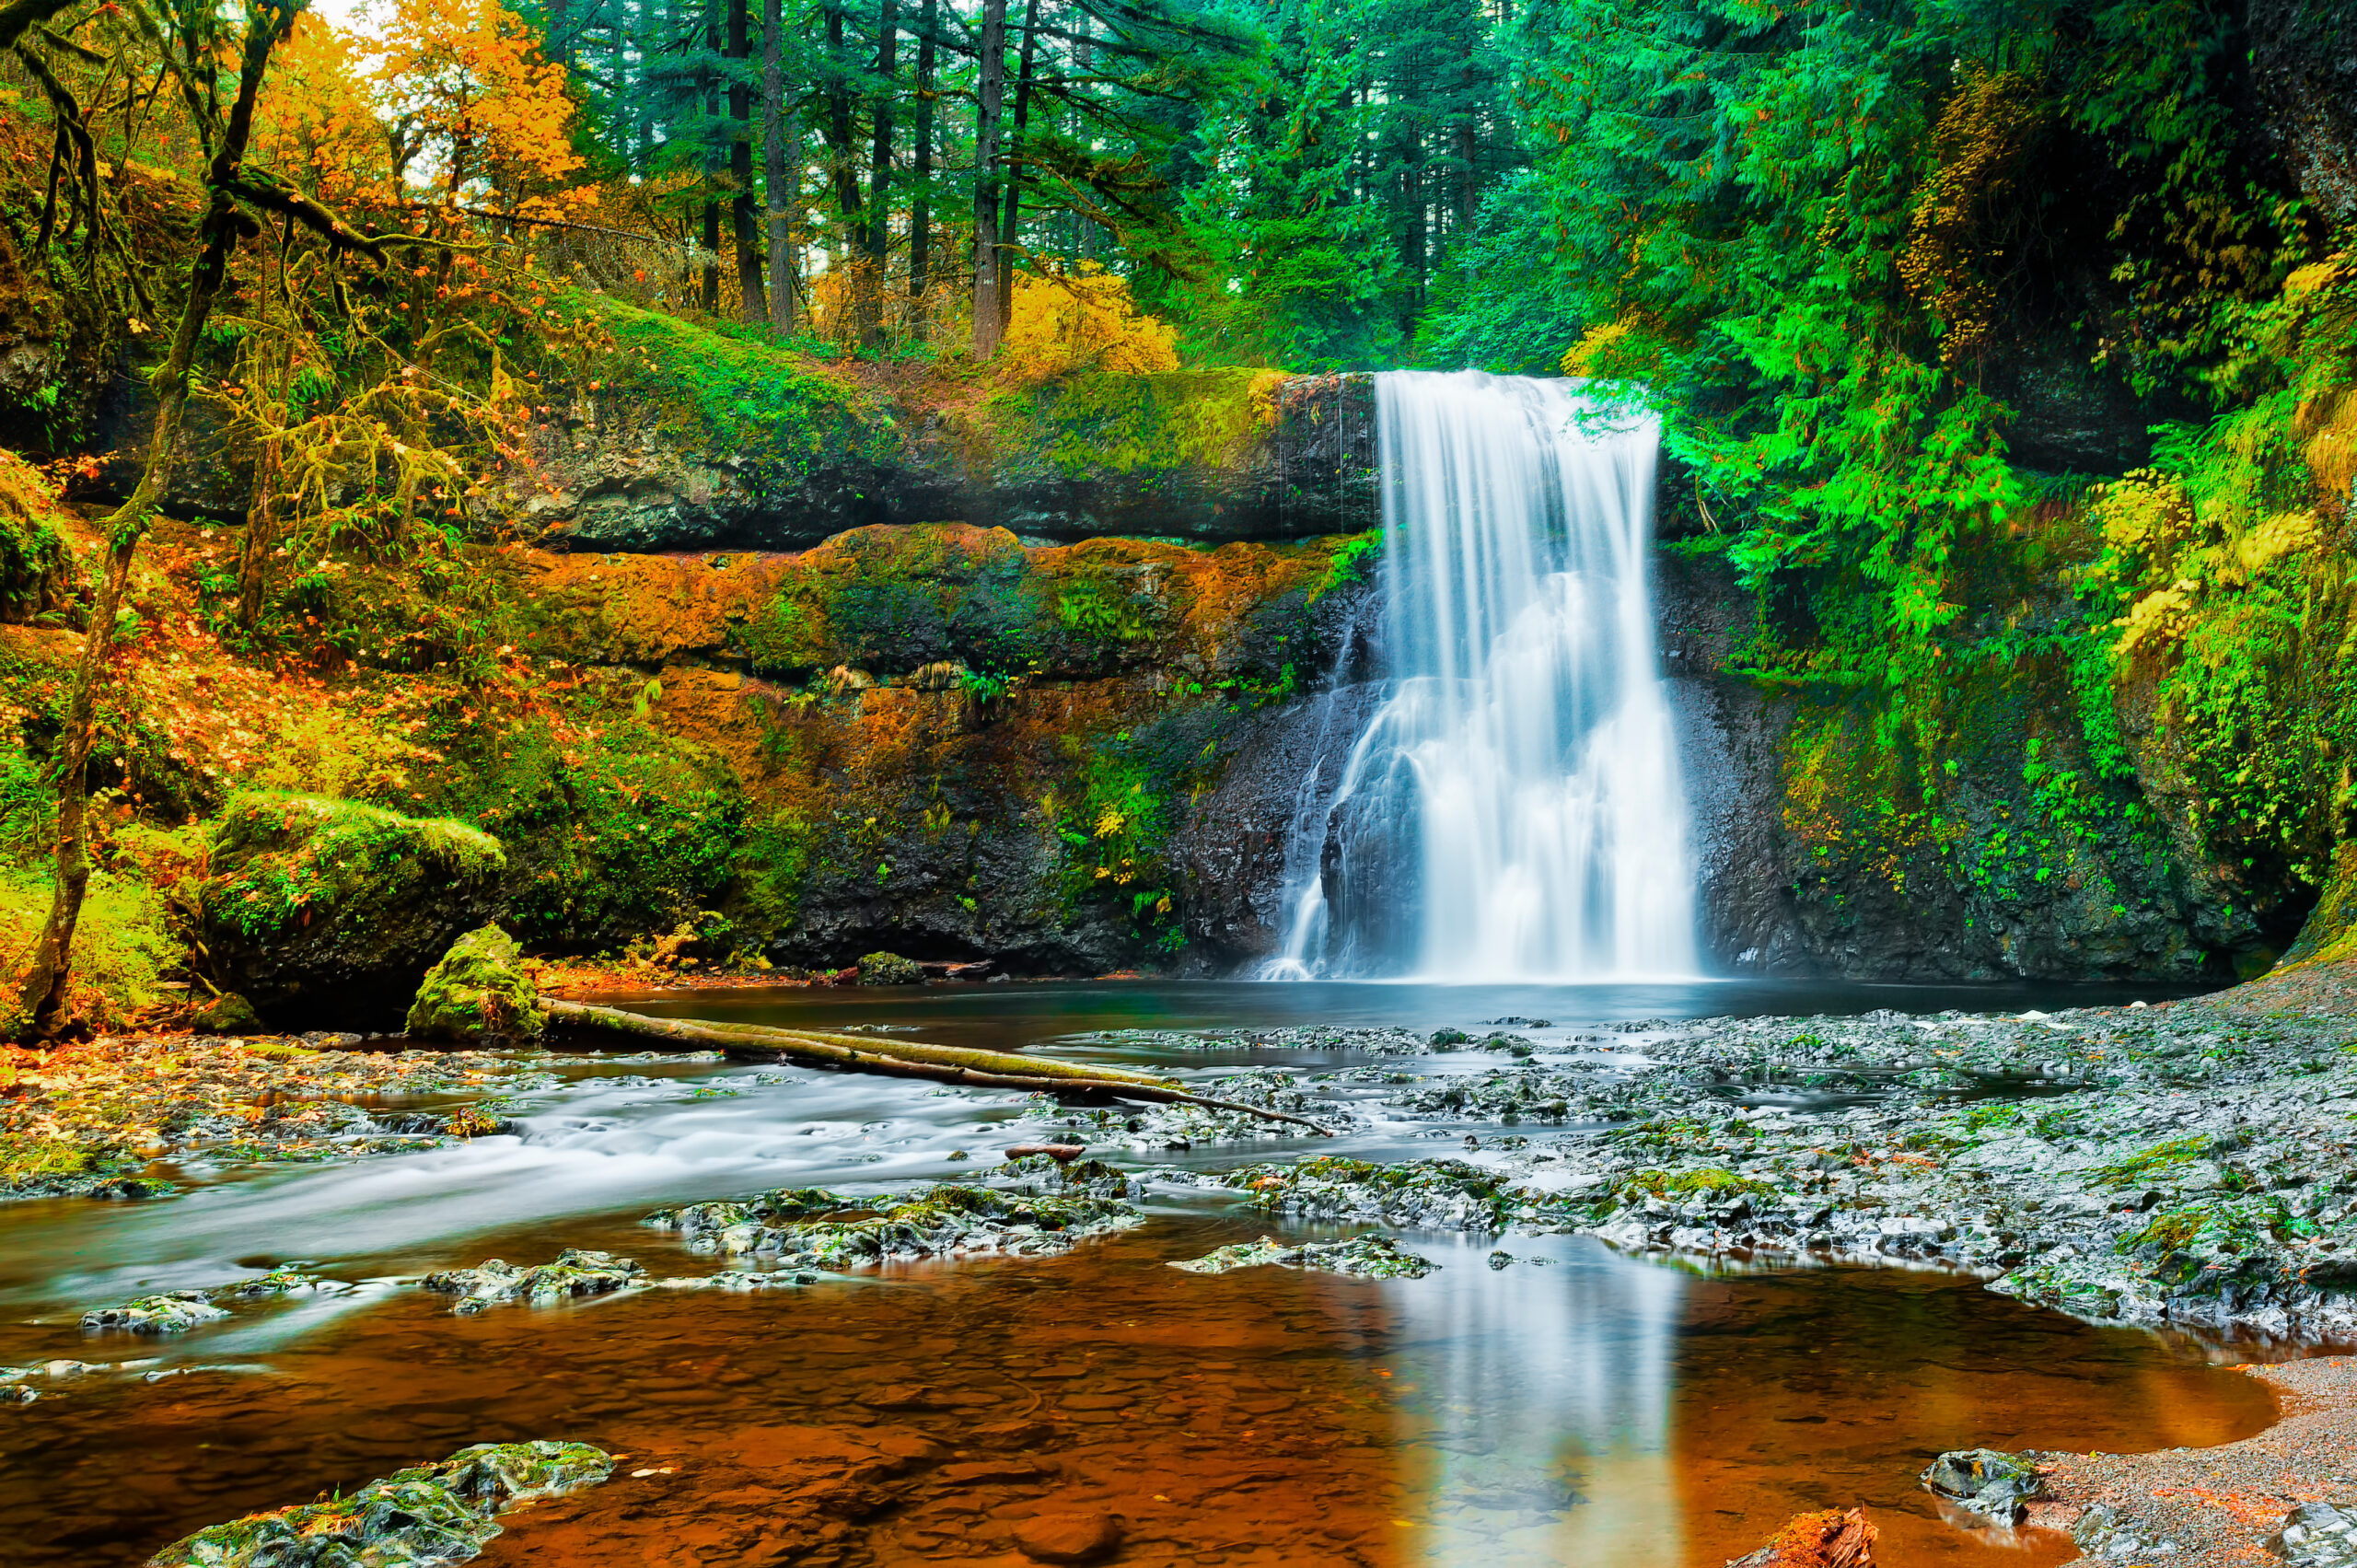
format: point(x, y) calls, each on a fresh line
point(2191, 1164)
point(91, 1120)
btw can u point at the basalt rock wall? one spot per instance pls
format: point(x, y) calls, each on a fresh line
point(1208, 456)
point(1821, 854)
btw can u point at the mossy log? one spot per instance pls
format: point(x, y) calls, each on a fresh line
point(900, 1058)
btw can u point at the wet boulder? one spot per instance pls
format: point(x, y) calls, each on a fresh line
point(227, 1014)
point(330, 911)
point(1369, 1256)
point(2317, 1535)
point(168, 1312)
point(1985, 1481)
point(889, 968)
point(479, 990)
point(577, 1271)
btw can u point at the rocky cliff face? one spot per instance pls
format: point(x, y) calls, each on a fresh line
point(1209, 456)
point(1818, 858)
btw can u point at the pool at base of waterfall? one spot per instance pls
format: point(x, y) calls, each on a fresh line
point(1532, 1399)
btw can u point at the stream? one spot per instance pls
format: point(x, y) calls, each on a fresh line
point(1570, 1406)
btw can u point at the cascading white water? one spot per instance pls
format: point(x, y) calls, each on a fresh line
point(1513, 810)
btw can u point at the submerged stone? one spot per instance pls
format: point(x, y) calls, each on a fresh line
point(282, 1282)
point(576, 1273)
point(1068, 1538)
point(440, 1513)
point(742, 1280)
point(168, 1312)
point(1371, 1256)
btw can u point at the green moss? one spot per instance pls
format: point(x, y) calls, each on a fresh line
point(24, 1158)
point(479, 990)
point(609, 835)
point(770, 406)
point(438, 1513)
point(35, 567)
point(1170, 422)
point(2161, 1157)
point(889, 969)
point(284, 860)
point(1710, 1183)
point(123, 944)
point(772, 861)
point(2170, 1232)
point(1353, 558)
point(895, 598)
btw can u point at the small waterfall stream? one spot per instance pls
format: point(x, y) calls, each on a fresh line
point(1512, 811)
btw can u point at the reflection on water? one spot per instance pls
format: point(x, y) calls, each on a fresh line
point(1541, 1408)
point(1568, 1407)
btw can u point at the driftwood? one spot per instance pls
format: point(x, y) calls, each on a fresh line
point(1834, 1539)
point(900, 1058)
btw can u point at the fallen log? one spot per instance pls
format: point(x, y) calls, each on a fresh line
point(903, 1059)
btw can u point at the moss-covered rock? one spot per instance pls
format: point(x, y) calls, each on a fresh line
point(227, 1014)
point(434, 1514)
point(479, 990)
point(889, 969)
point(333, 910)
point(1369, 1256)
point(169, 1312)
point(932, 1222)
point(696, 438)
point(36, 571)
point(577, 1271)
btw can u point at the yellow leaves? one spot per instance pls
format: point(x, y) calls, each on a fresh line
point(2144, 513)
point(1595, 344)
point(2159, 617)
point(1110, 823)
point(2284, 534)
point(1084, 319)
point(462, 89)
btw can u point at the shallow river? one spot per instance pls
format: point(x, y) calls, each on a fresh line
point(1572, 1407)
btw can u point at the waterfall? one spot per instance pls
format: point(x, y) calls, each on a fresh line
point(1513, 810)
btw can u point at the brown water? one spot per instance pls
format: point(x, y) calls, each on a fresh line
point(1591, 1410)
point(1573, 1408)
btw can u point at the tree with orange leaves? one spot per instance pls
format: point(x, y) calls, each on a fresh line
point(467, 100)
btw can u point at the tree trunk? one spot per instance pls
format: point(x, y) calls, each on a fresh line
point(900, 1058)
point(1015, 154)
point(740, 166)
point(41, 996)
point(708, 101)
point(261, 534)
point(920, 199)
point(990, 87)
point(784, 190)
point(880, 175)
point(839, 129)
